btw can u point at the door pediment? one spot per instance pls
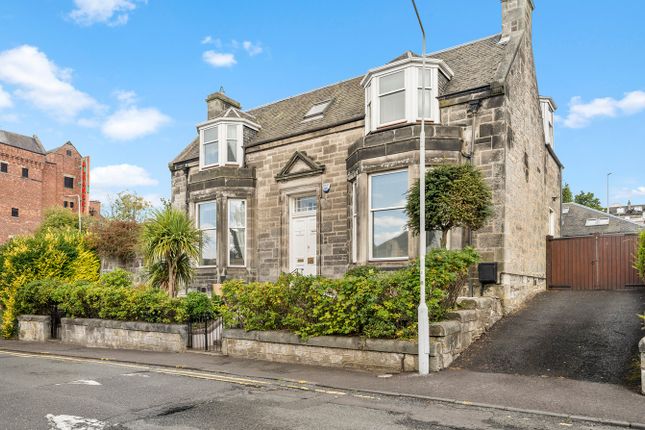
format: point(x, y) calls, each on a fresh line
point(300, 165)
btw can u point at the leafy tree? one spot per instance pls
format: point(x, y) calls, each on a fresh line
point(567, 195)
point(456, 196)
point(129, 207)
point(170, 243)
point(589, 200)
point(59, 219)
point(120, 239)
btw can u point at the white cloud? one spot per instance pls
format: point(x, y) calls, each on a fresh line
point(209, 40)
point(206, 40)
point(121, 176)
point(42, 83)
point(9, 117)
point(5, 99)
point(252, 48)
point(132, 122)
point(581, 114)
point(217, 59)
point(110, 12)
point(126, 97)
point(629, 193)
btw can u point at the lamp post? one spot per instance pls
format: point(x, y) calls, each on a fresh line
point(78, 206)
point(608, 175)
point(422, 312)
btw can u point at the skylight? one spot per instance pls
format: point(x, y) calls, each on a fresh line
point(317, 110)
point(590, 222)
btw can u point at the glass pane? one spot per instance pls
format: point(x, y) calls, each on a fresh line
point(210, 134)
point(231, 152)
point(207, 215)
point(393, 82)
point(231, 131)
point(236, 247)
point(392, 107)
point(427, 101)
point(317, 109)
point(211, 154)
point(208, 252)
point(389, 190)
point(306, 204)
point(389, 237)
point(428, 81)
point(236, 213)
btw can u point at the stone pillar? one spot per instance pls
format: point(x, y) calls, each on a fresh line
point(34, 328)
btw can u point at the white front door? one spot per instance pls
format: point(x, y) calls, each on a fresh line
point(303, 235)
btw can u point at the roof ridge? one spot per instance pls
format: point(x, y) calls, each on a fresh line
point(461, 45)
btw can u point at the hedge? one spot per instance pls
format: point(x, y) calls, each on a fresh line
point(366, 302)
point(110, 299)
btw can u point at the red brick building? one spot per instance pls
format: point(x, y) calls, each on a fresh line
point(33, 179)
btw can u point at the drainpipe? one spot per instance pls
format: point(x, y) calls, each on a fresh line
point(187, 198)
point(473, 108)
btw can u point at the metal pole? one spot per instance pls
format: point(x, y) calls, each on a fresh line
point(608, 175)
point(422, 313)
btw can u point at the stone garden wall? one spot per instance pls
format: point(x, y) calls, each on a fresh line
point(641, 346)
point(124, 335)
point(34, 328)
point(448, 339)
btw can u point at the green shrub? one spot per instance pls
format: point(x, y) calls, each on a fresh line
point(116, 278)
point(198, 306)
point(640, 256)
point(363, 271)
point(365, 302)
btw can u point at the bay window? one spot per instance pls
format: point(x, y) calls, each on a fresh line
point(236, 232)
point(221, 144)
point(394, 92)
point(207, 225)
point(388, 231)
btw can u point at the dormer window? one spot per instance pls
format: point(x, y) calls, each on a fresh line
point(221, 144)
point(394, 92)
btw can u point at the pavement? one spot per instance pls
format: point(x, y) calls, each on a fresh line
point(583, 335)
point(461, 387)
point(55, 392)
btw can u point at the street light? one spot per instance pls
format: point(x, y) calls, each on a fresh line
point(78, 206)
point(422, 313)
point(608, 175)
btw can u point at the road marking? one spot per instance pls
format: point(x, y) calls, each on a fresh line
point(71, 422)
point(82, 382)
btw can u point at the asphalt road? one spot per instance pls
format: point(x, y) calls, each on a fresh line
point(584, 335)
point(38, 392)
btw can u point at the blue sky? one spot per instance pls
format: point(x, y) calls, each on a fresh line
point(125, 80)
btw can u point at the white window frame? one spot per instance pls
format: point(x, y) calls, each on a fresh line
point(404, 90)
point(354, 216)
point(222, 142)
point(197, 224)
point(551, 222)
point(370, 234)
point(228, 232)
point(412, 84)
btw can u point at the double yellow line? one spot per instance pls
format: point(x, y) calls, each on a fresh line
point(297, 385)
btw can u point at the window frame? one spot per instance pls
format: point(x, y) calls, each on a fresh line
point(15, 212)
point(5, 165)
point(379, 95)
point(229, 228)
point(197, 224)
point(25, 172)
point(65, 178)
point(371, 211)
point(222, 144)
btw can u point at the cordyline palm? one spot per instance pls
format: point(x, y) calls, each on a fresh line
point(170, 243)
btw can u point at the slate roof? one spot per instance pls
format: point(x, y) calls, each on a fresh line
point(475, 65)
point(573, 222)
point(27, 143)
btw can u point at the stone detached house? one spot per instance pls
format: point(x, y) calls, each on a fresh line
point(630, 212)
point(33, 179)
point(317, 182)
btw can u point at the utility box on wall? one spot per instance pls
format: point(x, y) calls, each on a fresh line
point(487, 273)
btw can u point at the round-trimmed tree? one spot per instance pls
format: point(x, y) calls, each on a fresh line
point(456, 196)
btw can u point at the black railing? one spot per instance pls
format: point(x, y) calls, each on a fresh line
point(55, 323)
point(205, 334)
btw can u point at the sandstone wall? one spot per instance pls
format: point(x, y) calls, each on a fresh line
point(34, 328)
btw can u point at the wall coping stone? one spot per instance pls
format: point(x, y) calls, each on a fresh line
point(444, 328)
point(462, 315)
point(342, 342)
point(38, 318)
point(127, 325)
point(641, 345)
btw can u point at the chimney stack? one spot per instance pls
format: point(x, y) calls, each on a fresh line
point(218, 103)
point(516, 16)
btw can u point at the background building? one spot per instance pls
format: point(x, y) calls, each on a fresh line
point(33, 179)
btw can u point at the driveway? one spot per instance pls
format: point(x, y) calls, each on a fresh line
point(584, 335)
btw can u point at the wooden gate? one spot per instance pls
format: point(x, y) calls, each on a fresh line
point(592, 262)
